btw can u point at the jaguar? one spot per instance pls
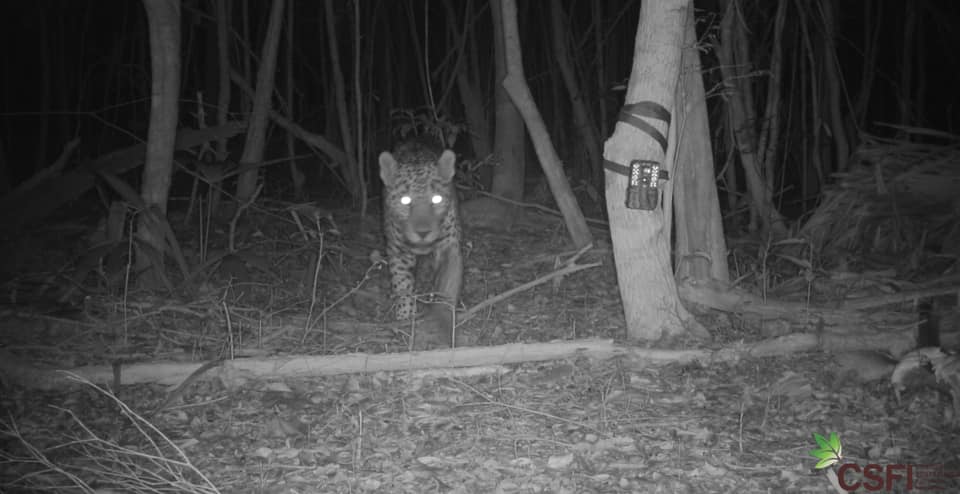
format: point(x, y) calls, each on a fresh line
point(421, 222)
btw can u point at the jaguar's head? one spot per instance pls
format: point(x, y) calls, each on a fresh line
point(418, 192)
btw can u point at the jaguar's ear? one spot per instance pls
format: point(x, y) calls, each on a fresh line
point(388, 168)
point(445, 165)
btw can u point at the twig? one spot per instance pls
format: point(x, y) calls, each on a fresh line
point(50, 171)
point(192, 378)
point(570, 268)
point(313, 289)
point(490, 401)
point(236, 217)
point(531, 205)
point(311, 320)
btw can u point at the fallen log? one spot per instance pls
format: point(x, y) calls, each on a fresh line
point(239, 372)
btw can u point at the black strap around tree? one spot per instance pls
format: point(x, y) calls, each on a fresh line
point(632, 115)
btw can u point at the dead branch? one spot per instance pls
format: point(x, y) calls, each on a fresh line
point(237, 372)
point(569, 268)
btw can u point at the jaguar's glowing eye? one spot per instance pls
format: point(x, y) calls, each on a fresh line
point(405, 200)
point(436, 199)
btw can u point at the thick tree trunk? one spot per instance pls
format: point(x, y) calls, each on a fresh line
point(257, 132)
point(516, 86)
point(701, 250)
point(163, 17)
point(641, 243)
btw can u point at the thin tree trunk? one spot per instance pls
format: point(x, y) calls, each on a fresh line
point(841, 144)
point(361, 178)
point(701, 250)
point(516, 86)
point(770, 132)
point(296, 176)
point(223, 10)
point(814, 150)
point(641, 243)
point(920, 93)
point(423, 71)
point(4, 173)
point(509, 129)
point(343, 114)
point(871, 38)
point(470, 97)
point(246, 105)
point(741, 116)
point(257, 132)
point(163, 17)
point(598, 54)
point(905, 96)
point(46, 66)
point(586, 130)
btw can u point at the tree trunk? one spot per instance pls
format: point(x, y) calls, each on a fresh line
point(831, 68)
point(741, 115)
point(467, 86)
point(516, 86)
point(163, 17)
point(586, 130)
point(257, 132)
point(358, 94)
point(701, 250)
point(5, 185)
point(509, 135)
point(905, 89)
point(868, 69)
point(599, 47)
point(45, 92)
point(223, 92)
point(351, 172)
point(641, 243)
point(297, 178)
point(770, 131)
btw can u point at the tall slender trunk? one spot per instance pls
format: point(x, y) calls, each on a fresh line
point(163, 17)
point(257, 131)
point(868, 70)
point(343, 115)
point(515, 85)
point(296, 176)
point(741, 114)
point(905, 96)
point(585, 128)
point(831, 67)
point(510, 131)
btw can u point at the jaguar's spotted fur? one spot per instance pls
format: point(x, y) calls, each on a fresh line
point(421, 219)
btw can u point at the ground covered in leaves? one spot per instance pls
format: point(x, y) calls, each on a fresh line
point(574, 426)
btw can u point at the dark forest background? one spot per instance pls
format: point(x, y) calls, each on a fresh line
point(80, 69)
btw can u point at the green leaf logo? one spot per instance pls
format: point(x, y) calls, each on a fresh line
point(829, 451)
